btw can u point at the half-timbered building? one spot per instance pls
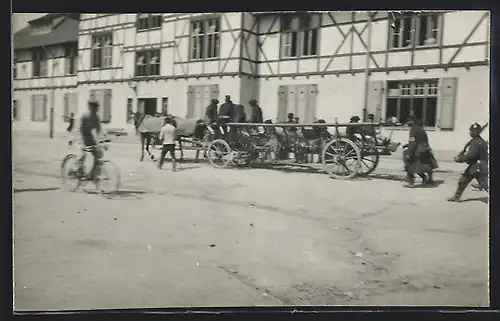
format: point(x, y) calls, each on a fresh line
point(314, 64)
point(45, 64)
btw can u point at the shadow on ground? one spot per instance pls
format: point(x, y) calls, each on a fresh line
point(46, 189)
point(484, 200)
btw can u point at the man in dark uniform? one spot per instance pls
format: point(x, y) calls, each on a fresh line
point(475, 154)
point(211, 112)
point(226, 113)
point(256, 116)
point(418, 156)
point(351, 130)
point(239, 115)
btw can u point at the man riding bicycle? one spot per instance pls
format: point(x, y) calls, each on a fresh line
point(90, 129)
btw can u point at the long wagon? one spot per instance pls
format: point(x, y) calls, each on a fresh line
point(310, 145)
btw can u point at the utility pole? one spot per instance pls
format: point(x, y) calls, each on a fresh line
point(52, 95)
point(367, 65)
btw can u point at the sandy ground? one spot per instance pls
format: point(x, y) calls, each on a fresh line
point(233, 237)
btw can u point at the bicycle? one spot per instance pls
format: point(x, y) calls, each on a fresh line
point(74, 174)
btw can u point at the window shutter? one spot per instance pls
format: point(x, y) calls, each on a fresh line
point(66, 106)
point(44, 108)
point(33, 100)
point(129, 115)
point(164, 105)
point(191, 100)
point(312, 93)
point(74, 103)
point(282, 103)
point(107, 105)
point(447, 101)
point(375, 95)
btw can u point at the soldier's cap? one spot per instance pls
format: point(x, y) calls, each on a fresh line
point(355, 118)
point(93, 103)
point(215, 101)
point(475, 126)
point(253, 101)
point(290, 114)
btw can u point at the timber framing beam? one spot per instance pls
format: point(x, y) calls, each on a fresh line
point(476, 26)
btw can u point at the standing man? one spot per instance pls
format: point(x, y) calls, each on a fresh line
point(226, 113)
point(256, 116)
point(71, 122)
point(239, 114)
point(167, 136)
point(418, 156)
point(211, 112)
point(475, 154)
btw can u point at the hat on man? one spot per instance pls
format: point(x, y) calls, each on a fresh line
point(215, 101)
point(93, 103)
point(355, 119)
point(253, 102)
point(475, 126)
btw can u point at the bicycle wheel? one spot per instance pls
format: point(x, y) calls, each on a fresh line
point(109, 179)
point(70, 172)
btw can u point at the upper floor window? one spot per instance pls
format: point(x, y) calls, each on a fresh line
point(418, 30)
point(41, 29)
point(147, 63)
point(299, 35)
point(147, 21)
point(205, 38)
point(71, 59)
point(102, 51)
point(40, 63)
point(413, 98)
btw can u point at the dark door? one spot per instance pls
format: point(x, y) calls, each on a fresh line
point(146, 106)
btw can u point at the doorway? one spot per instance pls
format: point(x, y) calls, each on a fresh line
point(146, 106)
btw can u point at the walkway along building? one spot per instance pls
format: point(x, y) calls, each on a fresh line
point(431, 64)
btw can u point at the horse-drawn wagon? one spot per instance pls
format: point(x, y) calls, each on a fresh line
point(311, 145)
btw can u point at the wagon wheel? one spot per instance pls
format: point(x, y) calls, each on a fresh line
point(341, 158)
point(219, 153)
point(370, 158)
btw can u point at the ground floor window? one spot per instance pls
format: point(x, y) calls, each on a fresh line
point(103, 96)
point(413, 98)
point(164, 106)
point(70, 105)
point(15, 110)
point(39, 108)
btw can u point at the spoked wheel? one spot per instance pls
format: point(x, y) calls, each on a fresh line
point(70, 173)
point(108, 180)
point(341, 158)
point(219, 153)
point(370, 158)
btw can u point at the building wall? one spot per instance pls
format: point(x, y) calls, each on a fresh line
point(250, 47)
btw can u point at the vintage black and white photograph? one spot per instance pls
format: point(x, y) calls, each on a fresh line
point(232, 159)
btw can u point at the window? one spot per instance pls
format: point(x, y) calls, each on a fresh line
point(205, 38)
point(15, 110)
point(103, 96)
point(38, 108)
point(14, 66)
point(147, 63)
point(299, 35)
point(164, 106)
point(420, 30)
point(40, 68)
point(70, 105)
point(130, 111)
point(148, 21)
point(102, 51)
point(70, 59)
point(415, 98)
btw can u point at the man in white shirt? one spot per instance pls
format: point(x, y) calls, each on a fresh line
point(168, 136)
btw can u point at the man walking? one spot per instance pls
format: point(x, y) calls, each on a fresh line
point(475, 154)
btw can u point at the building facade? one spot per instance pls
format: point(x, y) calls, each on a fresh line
point(432, 64)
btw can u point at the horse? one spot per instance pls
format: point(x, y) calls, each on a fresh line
point(148, 127)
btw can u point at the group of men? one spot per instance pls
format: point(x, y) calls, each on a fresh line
point(231, 112)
